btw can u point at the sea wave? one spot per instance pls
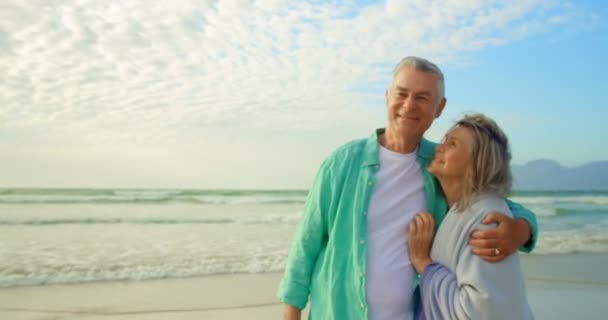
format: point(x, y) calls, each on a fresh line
point(71, 272)
point(229, 197)
point(593, 239)
point(76, 196)
point(265, 219)
point(560, 212)
point(565, 199)
point(177, 262)
point(565, 210)
point(59, 221)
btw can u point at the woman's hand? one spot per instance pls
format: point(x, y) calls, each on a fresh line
point(421, 232)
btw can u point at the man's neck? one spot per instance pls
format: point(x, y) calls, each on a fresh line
point(398, 143)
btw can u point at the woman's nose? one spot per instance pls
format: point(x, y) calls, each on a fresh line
point(439, 148)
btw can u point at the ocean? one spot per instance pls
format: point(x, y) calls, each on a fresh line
point(51, 236)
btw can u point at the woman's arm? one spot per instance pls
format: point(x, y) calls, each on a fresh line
point(473, 288)
point(477, 290)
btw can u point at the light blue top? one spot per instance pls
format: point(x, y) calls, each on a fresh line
point(461, 285)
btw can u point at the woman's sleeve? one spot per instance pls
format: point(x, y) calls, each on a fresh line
point(475, 290)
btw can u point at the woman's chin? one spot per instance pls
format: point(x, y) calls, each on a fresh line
point(433, 170)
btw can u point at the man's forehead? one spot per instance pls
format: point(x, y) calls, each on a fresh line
point(400, 88)
point(411, 79)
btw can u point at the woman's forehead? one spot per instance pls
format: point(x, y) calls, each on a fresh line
point(459, 133)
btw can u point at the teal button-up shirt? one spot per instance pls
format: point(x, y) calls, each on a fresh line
point(327, 260)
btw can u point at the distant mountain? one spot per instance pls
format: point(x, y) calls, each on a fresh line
point(550, 175)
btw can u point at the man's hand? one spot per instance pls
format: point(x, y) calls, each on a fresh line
point(494, 245)
point(291, 313)
point(421, 232)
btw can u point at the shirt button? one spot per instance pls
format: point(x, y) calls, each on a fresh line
point(362, 241)
point(361, 274)
point(362, 305)
point(369, 183)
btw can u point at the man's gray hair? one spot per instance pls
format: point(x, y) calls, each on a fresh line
point(423, 65)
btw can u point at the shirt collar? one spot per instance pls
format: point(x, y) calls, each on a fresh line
point(424, 153)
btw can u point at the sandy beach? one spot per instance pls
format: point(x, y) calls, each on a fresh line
point(559, 287)
point(246, 296)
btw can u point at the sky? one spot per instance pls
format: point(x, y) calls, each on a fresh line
point(254, 94)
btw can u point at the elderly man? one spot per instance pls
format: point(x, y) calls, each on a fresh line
point(349, 253)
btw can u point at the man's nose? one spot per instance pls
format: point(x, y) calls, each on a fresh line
point(409, 103)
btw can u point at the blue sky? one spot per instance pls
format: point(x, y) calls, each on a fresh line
point(254, 94)
point(553, 87)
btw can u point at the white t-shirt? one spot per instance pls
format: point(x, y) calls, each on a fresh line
point(397, 197)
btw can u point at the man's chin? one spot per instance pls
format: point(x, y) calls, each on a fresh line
point(406, 130)
point(407, 122)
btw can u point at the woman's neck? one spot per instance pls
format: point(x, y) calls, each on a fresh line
point(452, 189)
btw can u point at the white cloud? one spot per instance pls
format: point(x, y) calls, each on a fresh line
point(83, 72)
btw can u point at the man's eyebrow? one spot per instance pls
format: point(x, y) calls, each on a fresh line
point(421, 93)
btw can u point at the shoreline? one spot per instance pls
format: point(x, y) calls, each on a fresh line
point(558, 287)
point(526, 259)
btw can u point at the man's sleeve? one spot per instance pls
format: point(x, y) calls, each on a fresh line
point(521, 212)
point(307, 242)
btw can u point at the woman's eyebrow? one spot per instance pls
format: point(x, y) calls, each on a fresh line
point(451, 137)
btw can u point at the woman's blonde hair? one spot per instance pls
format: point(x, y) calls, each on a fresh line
point(489, 170)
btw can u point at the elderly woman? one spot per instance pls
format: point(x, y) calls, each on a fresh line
point(472, 167)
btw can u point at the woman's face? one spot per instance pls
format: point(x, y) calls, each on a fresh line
point(453, 156)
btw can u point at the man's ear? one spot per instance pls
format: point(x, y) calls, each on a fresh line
point(386, 97)
point(440, 107)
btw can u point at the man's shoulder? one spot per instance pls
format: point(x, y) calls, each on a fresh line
point(426, 149)
point(353, 146)
point(350, 151)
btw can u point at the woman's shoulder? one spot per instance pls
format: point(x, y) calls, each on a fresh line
point(490, 202)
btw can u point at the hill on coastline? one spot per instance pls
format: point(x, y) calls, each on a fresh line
point(544, 174)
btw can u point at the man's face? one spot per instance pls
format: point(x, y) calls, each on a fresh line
point(413, 102)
